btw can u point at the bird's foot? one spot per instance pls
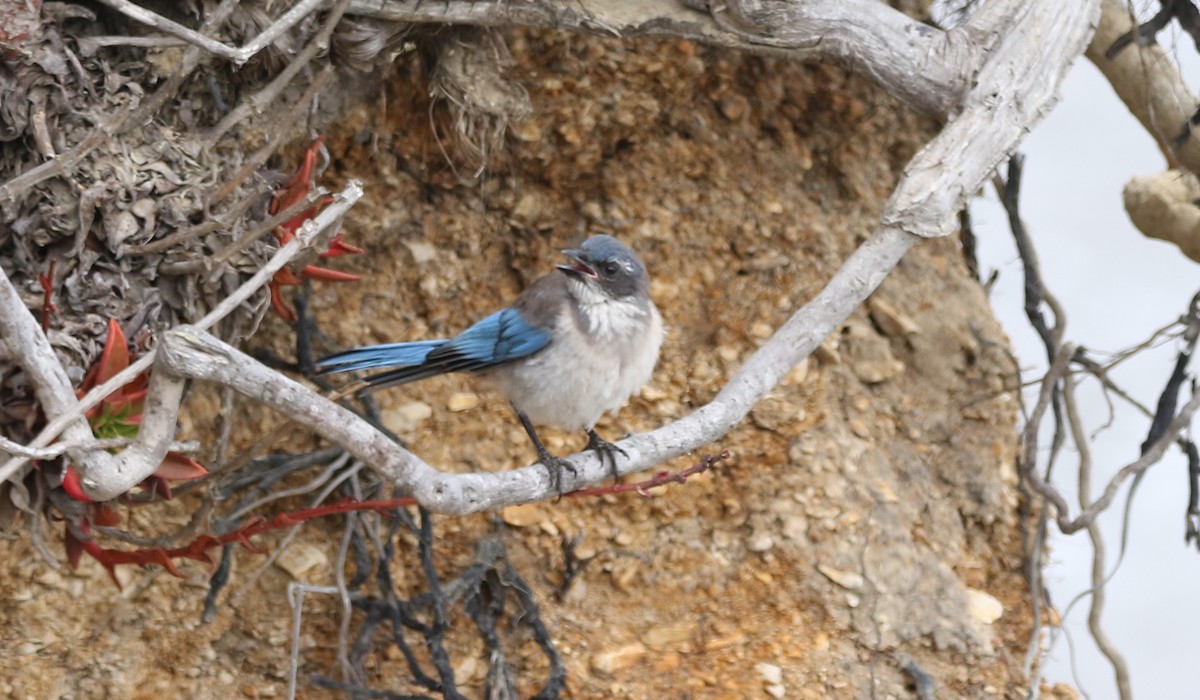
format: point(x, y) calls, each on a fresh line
point(555, 466)
point(606, 452)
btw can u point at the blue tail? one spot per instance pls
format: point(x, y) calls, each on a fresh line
point(501, 338)
point(407, 358)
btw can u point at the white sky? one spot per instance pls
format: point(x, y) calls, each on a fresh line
point(1117, 287)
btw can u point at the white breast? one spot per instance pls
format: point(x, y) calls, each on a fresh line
point(599, 359)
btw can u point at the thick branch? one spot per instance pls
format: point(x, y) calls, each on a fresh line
point(927, 68)
point(1013, 91)
point(1163, 206)
point(1147, 80)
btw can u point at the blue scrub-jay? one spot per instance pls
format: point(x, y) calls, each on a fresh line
point(577, 344)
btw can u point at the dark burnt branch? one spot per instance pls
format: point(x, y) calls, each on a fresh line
point(1192, 527)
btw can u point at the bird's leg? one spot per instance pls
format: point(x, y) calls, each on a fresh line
point(606, 451)
point(554, 465)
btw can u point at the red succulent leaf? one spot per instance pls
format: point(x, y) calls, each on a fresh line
point(179, 467)
point(339, 247)
point(296, 187)
point(285, 277)
point(113, 359)
point(103, 515)
point(74, 548)
point(46, 279)
point(73, 486)
point(326, 275)
point(276, 288)
point(284, 233)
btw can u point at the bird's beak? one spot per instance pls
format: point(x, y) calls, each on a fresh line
point(577, 268)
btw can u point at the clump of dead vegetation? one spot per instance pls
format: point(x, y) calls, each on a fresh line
point(152, 160)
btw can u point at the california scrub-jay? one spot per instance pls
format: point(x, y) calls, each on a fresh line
point(577, 344)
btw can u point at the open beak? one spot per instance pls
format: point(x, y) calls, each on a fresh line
point(577, 268)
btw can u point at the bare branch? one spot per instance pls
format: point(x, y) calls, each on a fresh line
point(1099, 579)
point(1163, 206)
point(239, 56)
point(924, 66)
point(1010, 94)
point(925, 203)
point(185, 352)
point(60, 448)
point(1148, 81)
point(133, 117)
point(257, 102)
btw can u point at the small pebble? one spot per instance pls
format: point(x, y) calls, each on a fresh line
point(462, 401)
point(620, 658)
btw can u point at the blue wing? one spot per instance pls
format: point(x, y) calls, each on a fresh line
point(496, 340)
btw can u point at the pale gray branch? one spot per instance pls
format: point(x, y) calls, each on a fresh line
point(1011, 93)
point(240, 55)
point(1099, 580)
point(187, 352)
point(60, 448)
point(928, 68)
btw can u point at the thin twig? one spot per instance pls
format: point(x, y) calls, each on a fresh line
point(238, 55)
point(255, 161)
point(217, 260)
point(257, 102)
point(119, 123)
point(60, 448)
point(1120, 667)
point(225, 219)
point(1029, 436)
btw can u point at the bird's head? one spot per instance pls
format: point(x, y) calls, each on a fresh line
point(607, 266)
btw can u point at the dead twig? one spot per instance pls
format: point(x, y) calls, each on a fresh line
point(201, 40)
point(257, 102)
point(256, 160)
point(135, 116)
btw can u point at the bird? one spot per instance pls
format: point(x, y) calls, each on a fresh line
point(577, 343)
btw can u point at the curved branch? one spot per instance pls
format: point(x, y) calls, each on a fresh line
point(928, 68)
point(1163, 206)
point(1148, 81)
point(1014, 89)
point(186, 352)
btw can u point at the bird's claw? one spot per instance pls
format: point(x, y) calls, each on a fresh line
point(606, 452)
point(555, 466)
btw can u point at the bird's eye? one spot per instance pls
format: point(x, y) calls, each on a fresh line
point(610, 268)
